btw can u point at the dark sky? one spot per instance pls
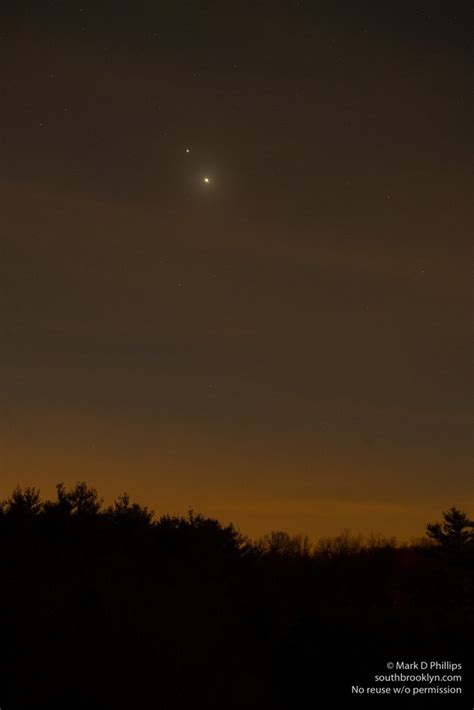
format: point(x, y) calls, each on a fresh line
point(285, 346)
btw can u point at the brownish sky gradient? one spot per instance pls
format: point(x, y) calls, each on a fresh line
point(287, 346)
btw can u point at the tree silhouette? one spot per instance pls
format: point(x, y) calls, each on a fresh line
point(81, 501)
point(279, 543)
point(453, 531)
point(132, 514)
point(197, 535)
point(23, 503)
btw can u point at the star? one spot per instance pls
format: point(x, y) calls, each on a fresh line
point(187, 150)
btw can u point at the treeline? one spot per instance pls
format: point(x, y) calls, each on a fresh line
point(81, 506)
point(110, 607)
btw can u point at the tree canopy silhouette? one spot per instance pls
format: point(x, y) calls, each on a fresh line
point(111, 607)
point(456, 530)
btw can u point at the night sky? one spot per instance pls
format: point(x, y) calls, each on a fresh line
point(235, 264)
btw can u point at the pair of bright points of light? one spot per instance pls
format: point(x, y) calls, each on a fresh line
point(207, 180)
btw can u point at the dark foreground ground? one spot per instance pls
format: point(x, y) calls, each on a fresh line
point(112, 611)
